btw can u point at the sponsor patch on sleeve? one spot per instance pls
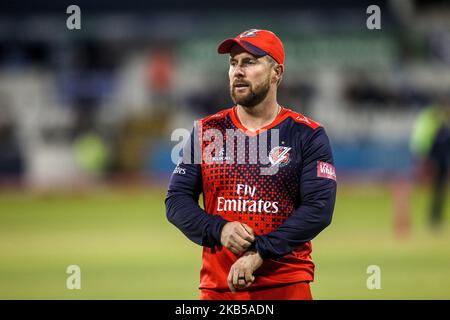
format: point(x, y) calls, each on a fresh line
point(326, 170)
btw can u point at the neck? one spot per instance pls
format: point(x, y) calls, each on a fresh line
point(259, 116)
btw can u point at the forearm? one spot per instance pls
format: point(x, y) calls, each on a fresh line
point(303, 225)
point(200, 227)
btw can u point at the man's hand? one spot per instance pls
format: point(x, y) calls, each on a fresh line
point(241, 272)
point(237, 237)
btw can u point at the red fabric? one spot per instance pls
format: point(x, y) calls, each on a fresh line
point(264, 40)
point(296, 291)
point(219, 182)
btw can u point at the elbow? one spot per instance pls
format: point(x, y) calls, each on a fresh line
point(170, 212)
point(327, 211)
point(323, 215)
point(326, 222)
point(326, 219)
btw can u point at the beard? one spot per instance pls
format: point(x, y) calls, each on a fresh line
point(253, 97)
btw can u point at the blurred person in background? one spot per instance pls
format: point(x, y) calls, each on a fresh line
point(12, 163)
point(160, 76)
point(88, 82)
point(430, 145)
point(260, 248)
point(139, 146)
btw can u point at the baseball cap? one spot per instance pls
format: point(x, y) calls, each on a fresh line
point(257, 42)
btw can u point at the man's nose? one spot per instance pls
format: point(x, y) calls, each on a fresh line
point(239, 71)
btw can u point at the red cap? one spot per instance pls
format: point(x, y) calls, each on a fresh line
point(256, 42)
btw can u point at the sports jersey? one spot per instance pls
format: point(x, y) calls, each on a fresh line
point(279, 180)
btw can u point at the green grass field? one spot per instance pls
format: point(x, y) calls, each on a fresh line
point(126, 249)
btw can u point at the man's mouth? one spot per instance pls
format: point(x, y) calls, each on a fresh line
point(240, 85)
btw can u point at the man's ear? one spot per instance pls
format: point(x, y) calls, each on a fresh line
point(279, 71)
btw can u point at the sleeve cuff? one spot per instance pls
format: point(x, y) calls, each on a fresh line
point(216, 228)
point(263, 251)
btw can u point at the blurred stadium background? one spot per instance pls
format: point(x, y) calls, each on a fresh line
point(86, 118)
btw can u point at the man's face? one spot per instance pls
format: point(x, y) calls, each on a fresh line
point(250, 77)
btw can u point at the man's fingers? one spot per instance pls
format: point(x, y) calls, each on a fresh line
point(239, 245)
point(240, 276)
point(247, 285)
point(248, 279)
point(237, 235)
point(235, 277)
point(249, 231)
point(245, 280)
point(248, 276)
point(249, 282)
point(241, 282)
point(234, 250)
point(230, 280)
point(245, 232)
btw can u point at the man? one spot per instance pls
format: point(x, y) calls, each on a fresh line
point(430, 146)
point(260, 213)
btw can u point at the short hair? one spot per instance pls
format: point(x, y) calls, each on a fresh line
point(273, 63)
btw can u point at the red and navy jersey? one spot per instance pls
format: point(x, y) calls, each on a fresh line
point(280, 181)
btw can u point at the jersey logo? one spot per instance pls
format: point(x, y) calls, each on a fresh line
point(221, 156)
point(326, 170)
point(279, 156)
point(249, 33)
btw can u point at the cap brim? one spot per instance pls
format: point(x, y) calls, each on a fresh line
point(226, 45)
